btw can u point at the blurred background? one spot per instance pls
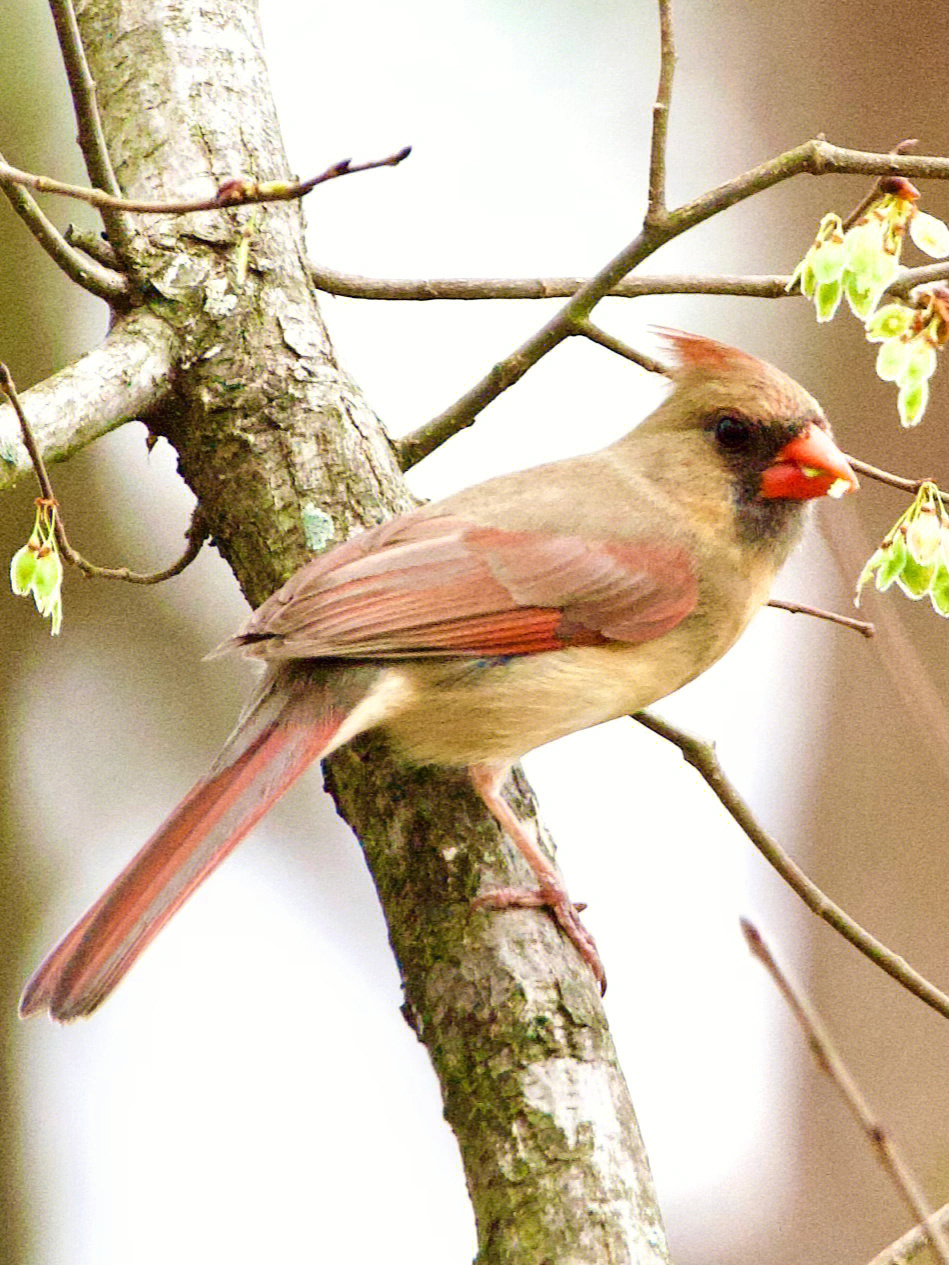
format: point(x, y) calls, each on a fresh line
point(251, 1092)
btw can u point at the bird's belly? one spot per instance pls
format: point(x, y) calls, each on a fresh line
point(496, 710)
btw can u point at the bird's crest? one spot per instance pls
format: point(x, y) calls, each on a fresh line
point(692, 353)
point(729, 378)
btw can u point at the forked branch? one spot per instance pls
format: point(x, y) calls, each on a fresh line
point(815, 157)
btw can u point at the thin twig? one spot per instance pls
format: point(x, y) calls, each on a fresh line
point(236, 192)
point(196, 534)
point(904, 147)
point(90, 134)
point(909, 1245)
point(93, 244)
point(773, 286)
point(82, 86)
point(656, 207)
point(829, 1061)
point(597, 335)
point(351, 286)
point(894, 480)
point(702, 758)
point(816, 157)
point(103, 282)
point(796, 608)
point(8, 387)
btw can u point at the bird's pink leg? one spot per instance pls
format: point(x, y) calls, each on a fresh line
point(551, 895)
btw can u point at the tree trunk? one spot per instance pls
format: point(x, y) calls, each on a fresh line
point(285, 457)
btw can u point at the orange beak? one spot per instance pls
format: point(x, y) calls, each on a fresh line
point(810, 465)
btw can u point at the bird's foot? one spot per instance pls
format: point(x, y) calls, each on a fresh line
point(564, 912)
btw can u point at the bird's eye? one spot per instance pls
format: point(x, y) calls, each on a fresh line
point(733, 434)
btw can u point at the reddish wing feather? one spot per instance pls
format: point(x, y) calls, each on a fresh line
point(441, 585)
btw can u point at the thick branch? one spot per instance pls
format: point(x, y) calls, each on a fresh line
point(702, 757)
point(911, 1244)
point(120, 381)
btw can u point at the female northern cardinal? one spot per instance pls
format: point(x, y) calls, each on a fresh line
point(487, 624)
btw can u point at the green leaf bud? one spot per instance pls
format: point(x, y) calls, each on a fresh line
point(921, 361)
point(911, 402)
point(892, 563)
point(939, 591)
point(889, 322)
point(47, 579)
point(22, 566)
point(891, 360)
point(827, 300)
point(924, 536)
point(930, 234)
point(914, 579)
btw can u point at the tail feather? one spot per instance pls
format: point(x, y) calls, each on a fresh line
point(279, 737)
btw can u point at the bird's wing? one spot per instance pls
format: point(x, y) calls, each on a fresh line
point(440, 585)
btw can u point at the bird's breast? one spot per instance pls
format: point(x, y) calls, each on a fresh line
point(477, 711)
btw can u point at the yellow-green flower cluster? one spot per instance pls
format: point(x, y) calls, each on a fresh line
point(909, 338)
point(914, 554)
point(37, 568)
point(863, 260)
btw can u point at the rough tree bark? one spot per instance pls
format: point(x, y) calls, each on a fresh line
point(285, 456)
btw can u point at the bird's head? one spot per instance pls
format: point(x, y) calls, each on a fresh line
point(744, 428)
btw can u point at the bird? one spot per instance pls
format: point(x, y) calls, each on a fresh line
point(476, 628)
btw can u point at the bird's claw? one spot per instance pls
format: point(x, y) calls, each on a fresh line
point(564, 912)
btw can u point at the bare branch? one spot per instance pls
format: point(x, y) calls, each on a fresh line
point(105, 283)
point(702, 758)
point(196, 533)
point(660, 116)
point(118, 382)
point(772, 286)
point(92, 244)
point(829, 1060)
point(88, 123)
point(597, 335)
point(815, 157)
point(894, 480)
point(908, 1246)
point(90, 135)
point(846, 621)
point(240, 191)
point(351, 286)
point(912, 277)
point(904, 147)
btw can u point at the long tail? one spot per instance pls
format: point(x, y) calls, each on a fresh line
point(289, 725)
